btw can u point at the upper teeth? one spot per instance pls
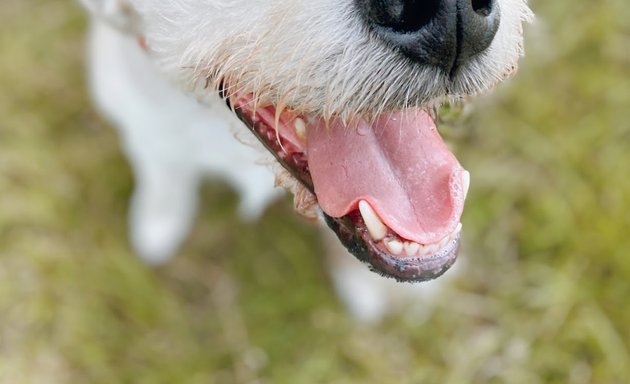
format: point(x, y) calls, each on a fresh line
point(375, 226)
point(300, 128)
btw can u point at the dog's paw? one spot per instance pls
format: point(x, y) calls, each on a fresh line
point(156, 241)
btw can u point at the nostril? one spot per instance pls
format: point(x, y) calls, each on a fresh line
point(402, 15)
point(482, 7)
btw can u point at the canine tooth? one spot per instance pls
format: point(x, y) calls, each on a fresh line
point(395, 247)
point(300, 128)
point(411, 248)
point(465, 182)
point(375, 226)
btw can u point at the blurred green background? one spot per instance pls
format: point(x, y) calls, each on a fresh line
point(545, 297)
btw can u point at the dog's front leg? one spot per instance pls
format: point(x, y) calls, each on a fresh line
point(162, 208)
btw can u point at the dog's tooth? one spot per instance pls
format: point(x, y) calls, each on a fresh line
point(443, 242)
point(394, 246)
point(300, 128)
point(411, 248)
point(375, 226)
point(456, 232)
point(465, 182)
point(452, 236)
point(431, 248)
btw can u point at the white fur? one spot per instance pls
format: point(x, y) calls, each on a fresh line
point(315, 56)
point(172, 141)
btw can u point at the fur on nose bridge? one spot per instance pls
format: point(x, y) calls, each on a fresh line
point(317, 58)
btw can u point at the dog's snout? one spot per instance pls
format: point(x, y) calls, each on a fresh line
point(442, 33)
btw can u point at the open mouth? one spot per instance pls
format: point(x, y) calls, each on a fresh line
point(388, 187)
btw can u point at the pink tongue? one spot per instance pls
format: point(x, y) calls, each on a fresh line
point(399, 164)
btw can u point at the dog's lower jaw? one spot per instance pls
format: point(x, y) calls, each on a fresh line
point(358, 242)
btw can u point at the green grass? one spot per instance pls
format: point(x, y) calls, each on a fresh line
point(544, 297)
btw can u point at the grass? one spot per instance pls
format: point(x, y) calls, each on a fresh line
point(544, 297)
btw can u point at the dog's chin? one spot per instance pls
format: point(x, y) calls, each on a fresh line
point(388, 187)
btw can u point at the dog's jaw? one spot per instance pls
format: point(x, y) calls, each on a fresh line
point(357, 240)
point(429, 248)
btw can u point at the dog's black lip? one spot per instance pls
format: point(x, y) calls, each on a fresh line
point(356, 238)
point(413, 269)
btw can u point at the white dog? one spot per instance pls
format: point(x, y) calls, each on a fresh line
point(341, 93)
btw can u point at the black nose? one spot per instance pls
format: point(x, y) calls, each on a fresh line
point(442, 33)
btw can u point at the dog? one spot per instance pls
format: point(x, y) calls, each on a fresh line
point(342, 95)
